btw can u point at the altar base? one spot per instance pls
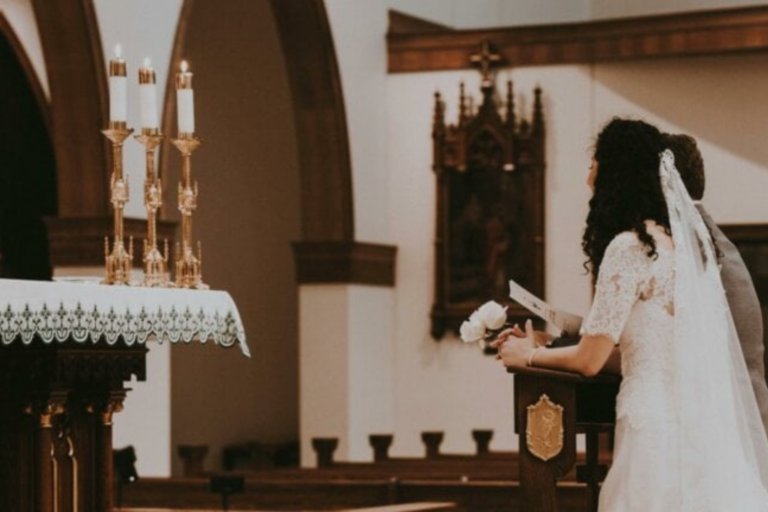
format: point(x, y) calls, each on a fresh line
point(57, 403)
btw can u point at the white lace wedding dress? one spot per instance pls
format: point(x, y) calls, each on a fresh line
point(658, 465)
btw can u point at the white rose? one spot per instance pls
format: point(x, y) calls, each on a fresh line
point(493, 315)
point(472, 330)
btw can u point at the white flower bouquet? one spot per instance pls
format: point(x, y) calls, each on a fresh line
point(485, 323)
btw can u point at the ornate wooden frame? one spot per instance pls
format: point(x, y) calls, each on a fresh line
point(485, 145)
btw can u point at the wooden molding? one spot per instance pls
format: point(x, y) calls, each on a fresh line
point(320, 119)
point(715, 32)
point(344, 262)
point(79, 242)
point(77, 81)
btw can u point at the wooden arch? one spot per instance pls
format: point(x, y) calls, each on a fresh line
point(328, 252)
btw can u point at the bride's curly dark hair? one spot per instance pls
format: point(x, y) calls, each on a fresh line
point(627, 188)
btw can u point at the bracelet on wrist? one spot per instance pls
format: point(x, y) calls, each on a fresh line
point(533, 353)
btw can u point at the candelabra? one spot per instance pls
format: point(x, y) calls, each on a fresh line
point(188, 265)
point(155, 263)
point(119, 261)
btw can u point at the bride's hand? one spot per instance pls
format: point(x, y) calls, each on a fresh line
point(514, 350)
point(541, 337)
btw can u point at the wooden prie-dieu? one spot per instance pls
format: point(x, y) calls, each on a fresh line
point(57, 402)
point(551, 408)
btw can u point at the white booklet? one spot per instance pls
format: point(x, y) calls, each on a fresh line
point(567, 323)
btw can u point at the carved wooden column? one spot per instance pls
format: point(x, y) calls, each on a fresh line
point(43, 412)
point(103, 408)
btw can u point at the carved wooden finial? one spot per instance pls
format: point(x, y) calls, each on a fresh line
point(462, 104)
point(485, 61)
point(510, 115)
point(538, 112)
point(438, 120)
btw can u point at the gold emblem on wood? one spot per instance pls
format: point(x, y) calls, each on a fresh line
point(544, 433)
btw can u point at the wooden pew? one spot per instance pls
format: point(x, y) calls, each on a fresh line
point(407, 507)
point(484, 465)
point(320, 494)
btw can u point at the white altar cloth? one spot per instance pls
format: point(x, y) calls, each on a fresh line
point(62, 311)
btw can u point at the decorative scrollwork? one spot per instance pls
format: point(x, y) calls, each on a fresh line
point(61, 324)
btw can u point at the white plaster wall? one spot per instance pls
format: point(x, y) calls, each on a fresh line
point(345, 358)
point(494, 13)
point(603, 9)
point(21, 17)
point(323, 367)
point(144, 28)
point(145, 422)
point(371, 367)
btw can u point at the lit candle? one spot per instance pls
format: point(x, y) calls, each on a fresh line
point(185, 100)
point(117, 87)
point(148, 96)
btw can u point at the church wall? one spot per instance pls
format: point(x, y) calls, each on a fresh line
point(449, 385)
point(249, 213)
point(21, 17)
point(434, 385)
point(452, 387)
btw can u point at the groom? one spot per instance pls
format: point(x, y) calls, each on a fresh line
point(739, 289)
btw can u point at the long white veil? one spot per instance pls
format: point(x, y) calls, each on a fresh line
point(722, 446)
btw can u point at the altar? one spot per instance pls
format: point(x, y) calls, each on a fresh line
point(67, 350)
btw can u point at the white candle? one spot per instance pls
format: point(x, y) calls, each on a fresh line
point(185, 100)
point(117, 87)
point(148, 96)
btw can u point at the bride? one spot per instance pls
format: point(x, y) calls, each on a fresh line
point(689, 437)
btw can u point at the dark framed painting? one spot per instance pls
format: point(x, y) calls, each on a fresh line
point(490, 169)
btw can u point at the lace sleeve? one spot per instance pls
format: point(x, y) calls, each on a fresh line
point(624, 267)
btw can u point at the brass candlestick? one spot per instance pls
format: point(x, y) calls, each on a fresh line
point(155, 263)
point(188, 266)
point(119, 262)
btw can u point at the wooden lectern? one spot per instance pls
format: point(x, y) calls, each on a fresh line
point(551, 407)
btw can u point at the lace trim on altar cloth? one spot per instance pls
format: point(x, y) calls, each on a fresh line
point(83, 324)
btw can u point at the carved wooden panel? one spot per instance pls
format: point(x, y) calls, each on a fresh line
point(490, 206)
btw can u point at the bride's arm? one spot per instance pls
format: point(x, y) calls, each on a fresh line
point(623, 269)
point(588, 358)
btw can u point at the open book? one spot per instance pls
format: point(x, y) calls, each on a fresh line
point(568, 323)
